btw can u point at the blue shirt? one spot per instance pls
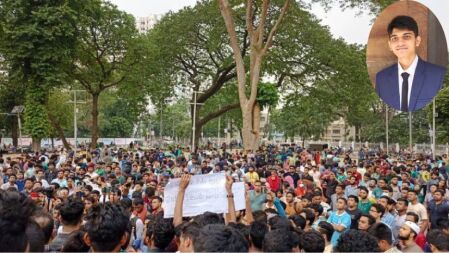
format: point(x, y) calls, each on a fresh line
point(343, 219)
point(257, 201)
point(389, 220)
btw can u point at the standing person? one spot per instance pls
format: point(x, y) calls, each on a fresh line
point(257, 197)
point(364, 202)
point(438, 209)
point(407, 235)
point(401, 208)
point(339, 193)
point(387, 217)
point(353, 210)
point(351, 188)
point(418, 208)
point(326, 229)
point(383, 234)
point(11, 183)
point(340, 220)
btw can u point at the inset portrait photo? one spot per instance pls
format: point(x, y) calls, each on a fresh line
point(407, 56)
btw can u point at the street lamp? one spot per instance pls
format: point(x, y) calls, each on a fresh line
point(195, 94)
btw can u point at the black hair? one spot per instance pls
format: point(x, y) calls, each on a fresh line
point(438, 239)
point(72, 211)
point(45, 222)
point(106, 224)
point(126, 203)
point(379, 208)
point(415, 216)
point(403, 200)
point(15, 209)
point(242, 228)
point(36, 237)
point(382, 232)
point(220, 238)
point(138, 201)
point(356, 241)
point(310, 215)
point(403, 22)
point(75, 242)
point(344, 199)
point(208, 218)
point(311, 241)
point(260, 216)
point(363, 188)
point(257, 233)
point(326, 228)
point(355, 198)
point(136, 195)
point(443, 223)
point(317, 208)
point(278, 222)
point(299, 221)
point(279, 240)
point(161, 231)
point(188, 229)
point(371, 219)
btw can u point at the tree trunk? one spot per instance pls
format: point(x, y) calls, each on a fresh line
point(250, 134)
point(36, 144)
point(94, 129)
point(55, 124)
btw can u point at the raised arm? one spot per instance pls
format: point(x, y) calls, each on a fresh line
point(249, 218)
point(230, 216)
point(177, 219)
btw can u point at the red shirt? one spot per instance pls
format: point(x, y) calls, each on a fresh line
point(274, 183)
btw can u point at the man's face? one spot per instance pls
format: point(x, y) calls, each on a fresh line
point(373, 212)
point(289, 198)
point(363, 223)
point(383, 202)
point(351, 202)
point(338, 190)
point(437, 196)
point(257, 187)
point(341, 205)
point(138, 208)
point(155, 204)
point(60, 175)
point(20, 176)
point(363, 194)
point(381, 183)
point(403, 43)
point(28, 184)
point(400, 206)
point(12, 179)
point(411, 196)
point(394, 181)
point(316, 200)
point(404, 232)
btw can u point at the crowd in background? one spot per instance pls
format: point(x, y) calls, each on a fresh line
point(112, 199)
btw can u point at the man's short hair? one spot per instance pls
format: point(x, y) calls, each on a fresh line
point(326, 228)
point(312, 241)
point(299, 221)
point(161, 231)
point(382, 232)
point(45, 222)
point(379, 208)
point(355, 198)
point(72, 211)
point(106, 224)
point(403, 200)
point(257, 233)
point(220, 238)
point(356, 241)
point(279, 240)
point(414, 215)
point(438, 239)
point(403, 23)
point(370, 218)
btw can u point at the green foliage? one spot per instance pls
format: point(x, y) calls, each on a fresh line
point(267, 94)
point(116, 127)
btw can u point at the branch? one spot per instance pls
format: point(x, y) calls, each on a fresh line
point(275, 27)
point(263, 19)
point(218, 113)
point(249, 17)
point(230, 27)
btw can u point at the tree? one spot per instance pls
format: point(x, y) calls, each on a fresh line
point(36, 39)
point(60, 115)
point(107, 53)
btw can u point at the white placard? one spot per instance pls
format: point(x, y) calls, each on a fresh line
point(238, 189)
point(204, 193)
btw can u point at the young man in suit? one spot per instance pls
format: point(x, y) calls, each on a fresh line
point(411, 83)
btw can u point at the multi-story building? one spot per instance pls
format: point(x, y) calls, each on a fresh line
point(337, 131)
point(144, 24)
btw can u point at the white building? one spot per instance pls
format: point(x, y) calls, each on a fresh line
point(144, 24)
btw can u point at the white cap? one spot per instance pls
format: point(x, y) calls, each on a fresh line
point(413, 226)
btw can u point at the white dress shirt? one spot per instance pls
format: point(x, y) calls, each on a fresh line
point(411, 71)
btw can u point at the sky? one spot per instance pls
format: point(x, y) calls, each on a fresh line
point(353, 28)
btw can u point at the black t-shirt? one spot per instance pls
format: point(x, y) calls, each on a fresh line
point(355, 216)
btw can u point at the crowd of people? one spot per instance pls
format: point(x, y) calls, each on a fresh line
point(112, 200)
